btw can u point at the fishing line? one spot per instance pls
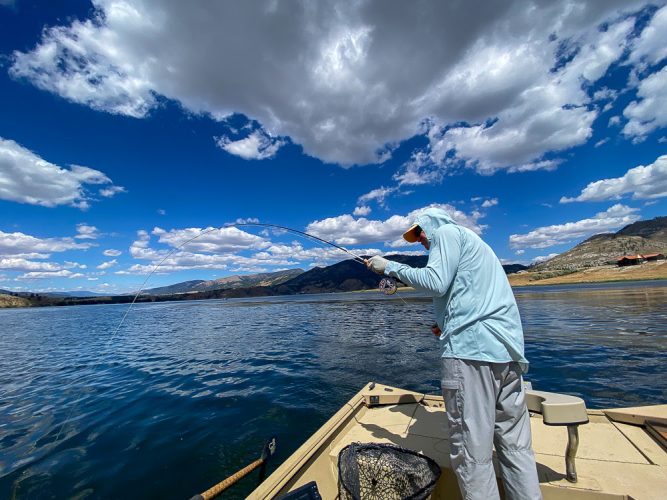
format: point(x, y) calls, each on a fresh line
point(387, 285)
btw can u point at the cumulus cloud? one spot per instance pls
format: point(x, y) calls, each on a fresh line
point(20, 244)
point(112, 191)
point(544, 258)
point(491, 202)
point(112, 253)
point(502, 83)
point(649, 111)
point(257, 146)
point(613, 218)
point(361, 211)
point(346, 230)
point(86, 232)
point(64, 273)
point(642, 182)
point(378, 195)
point(108, 264)
point(211, 240)
point(27, 178)
point(650, 48)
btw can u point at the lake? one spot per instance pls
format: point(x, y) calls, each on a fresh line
point(183, 394)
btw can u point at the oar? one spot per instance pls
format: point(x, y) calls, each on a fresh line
point(267, 453)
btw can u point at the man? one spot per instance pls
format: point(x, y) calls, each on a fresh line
point(482, 362)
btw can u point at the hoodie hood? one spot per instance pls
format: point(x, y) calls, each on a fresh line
point(431, 219)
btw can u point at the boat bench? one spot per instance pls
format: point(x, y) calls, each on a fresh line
point(561, 409)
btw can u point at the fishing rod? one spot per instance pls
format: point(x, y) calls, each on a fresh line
point(302, 233)
point(387, 285)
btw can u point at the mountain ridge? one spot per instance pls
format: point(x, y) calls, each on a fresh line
point(641, 237)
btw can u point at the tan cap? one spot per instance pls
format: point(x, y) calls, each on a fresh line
point(410, 235)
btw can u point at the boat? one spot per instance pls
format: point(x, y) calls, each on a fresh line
point(580, 453)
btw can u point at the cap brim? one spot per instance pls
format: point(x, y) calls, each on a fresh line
point(410, 236)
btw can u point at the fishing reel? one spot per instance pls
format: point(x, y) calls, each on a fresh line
point(388, 286)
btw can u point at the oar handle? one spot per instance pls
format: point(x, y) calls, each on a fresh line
point(226, 483)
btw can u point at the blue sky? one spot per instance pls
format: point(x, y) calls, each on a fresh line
point(129, 127)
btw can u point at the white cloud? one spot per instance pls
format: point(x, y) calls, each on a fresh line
point(544, 258)
point(614, 121)
point(361, 211)
point(325, 74)
point(346, 230)
point(64, 273)
point(161, 211)
point(27, 178)
point(650, 46)
point(491, 202)
point(613, 218)
point(111, 191)
point(86, 232)
point(643, 182)
point(112, 253)
point(210, 240)
point(602, 142)
point(108, 264)
point(21, 264)
point(649, 111)
point(257, 146)
point(14, 244)
point(378, 195)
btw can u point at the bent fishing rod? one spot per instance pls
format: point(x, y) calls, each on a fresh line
point(387, 285)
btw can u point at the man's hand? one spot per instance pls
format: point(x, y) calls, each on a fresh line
point(377, 264)
point(436, 330)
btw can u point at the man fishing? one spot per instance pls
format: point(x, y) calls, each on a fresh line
point(482, 362)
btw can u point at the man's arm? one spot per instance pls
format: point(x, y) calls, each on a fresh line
point(443, 261)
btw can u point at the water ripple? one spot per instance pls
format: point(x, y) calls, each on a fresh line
point(186, 393)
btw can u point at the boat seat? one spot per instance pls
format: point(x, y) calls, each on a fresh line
point(561, 409)
point(557, 409)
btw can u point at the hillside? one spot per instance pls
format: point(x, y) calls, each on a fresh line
point(646, 271)
point(639, 238)
point(229, 282)
point(12, 301)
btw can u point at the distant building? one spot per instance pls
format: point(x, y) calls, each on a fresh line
point(629, 260)
point(633, 260)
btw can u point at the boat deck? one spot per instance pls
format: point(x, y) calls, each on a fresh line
point(615, 459)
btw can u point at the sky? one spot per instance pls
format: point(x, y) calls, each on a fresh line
point(134, 133)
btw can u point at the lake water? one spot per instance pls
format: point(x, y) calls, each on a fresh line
point(185, 394)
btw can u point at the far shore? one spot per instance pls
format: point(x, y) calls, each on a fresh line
point(649, 271)
point(642, 272)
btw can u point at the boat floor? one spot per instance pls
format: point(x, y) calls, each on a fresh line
point(614, 459)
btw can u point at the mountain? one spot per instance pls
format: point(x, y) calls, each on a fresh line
point(641, 237)
point(345, 276)
point(183, 287)
point(80, 293)
point(228, 283)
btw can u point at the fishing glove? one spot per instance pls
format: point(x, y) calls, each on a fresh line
point(377, 264)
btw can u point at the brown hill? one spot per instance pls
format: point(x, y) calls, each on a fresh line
point(642, 237)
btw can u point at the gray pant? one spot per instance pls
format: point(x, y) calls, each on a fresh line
point(486, 406)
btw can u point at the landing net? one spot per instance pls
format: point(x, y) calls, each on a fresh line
point(384, 471)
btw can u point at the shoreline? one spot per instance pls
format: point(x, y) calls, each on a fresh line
point(653, 271)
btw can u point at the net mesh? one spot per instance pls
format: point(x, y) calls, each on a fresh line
point(373, 470)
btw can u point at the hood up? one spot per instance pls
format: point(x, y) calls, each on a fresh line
point(431, 219)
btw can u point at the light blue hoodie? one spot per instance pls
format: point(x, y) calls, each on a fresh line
point(473, 301)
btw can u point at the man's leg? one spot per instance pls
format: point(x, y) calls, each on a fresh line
point(469, 393)
point(512, 436)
